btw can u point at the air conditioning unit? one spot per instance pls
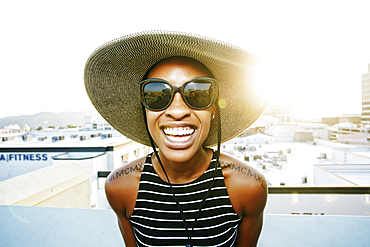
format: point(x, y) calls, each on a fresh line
point(84, 137)
point(27, 137)
point(8, 138)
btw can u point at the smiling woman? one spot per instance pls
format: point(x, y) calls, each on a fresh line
point(179, 114)
point(180, 94)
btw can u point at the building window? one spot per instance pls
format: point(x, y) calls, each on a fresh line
point(124, 159)
point(137, 153)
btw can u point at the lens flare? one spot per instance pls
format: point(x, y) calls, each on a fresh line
point(19, 214)
point(222, 103)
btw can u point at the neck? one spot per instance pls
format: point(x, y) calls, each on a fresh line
point(183, 172)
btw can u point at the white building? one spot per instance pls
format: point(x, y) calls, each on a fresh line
point(337, 132)
point(365, 116)
point(92, 123)
point(98, 151)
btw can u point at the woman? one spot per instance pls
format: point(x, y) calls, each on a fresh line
point(181, 94)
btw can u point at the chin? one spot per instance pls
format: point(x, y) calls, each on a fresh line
point(179, 155)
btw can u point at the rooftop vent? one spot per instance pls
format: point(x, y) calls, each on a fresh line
point(7, 138)
point(94, 135)
point(84, 137)
point(42, 138)
point(57, 138)
point(103, 136)
point(27, 137)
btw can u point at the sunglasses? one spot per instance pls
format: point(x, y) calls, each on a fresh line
point(198, 93)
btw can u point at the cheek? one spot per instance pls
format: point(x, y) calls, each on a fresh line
point(151, 118)
point(206, 120)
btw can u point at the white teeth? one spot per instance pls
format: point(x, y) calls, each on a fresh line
point(180, 134)
point(178, 131)
point(178, 139)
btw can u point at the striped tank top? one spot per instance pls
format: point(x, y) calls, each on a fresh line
point(156, 219)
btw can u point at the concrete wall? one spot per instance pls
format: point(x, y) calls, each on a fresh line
point(322, 176)
point(348, 156)
point(94, 165)
point(63, 185)
point(303, 136)
point(318, 204)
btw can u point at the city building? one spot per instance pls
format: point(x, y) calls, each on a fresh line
point(339, 132)
point(98, 151)
point(280, 108)
point(331, 121)
point(285, 132)
point(92, 123)
point(11, 131)
point(365, 117)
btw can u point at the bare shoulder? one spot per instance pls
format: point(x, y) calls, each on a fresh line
point(122, 185)
point(246, 185)
point(126, 172)
point(246, 175)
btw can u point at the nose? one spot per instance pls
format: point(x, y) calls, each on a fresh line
point(178, 108)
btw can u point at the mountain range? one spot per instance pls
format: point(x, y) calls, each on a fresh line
point(62, 119)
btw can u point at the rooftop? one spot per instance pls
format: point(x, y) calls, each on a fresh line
point(69, 138)
point(290, 171)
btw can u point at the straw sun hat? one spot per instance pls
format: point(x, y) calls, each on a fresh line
point(114, 70)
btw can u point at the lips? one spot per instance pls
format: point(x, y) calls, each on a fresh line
point(179, 134)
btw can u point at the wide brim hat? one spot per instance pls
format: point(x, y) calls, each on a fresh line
point(113, 72)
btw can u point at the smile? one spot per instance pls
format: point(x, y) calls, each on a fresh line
point(179, 134)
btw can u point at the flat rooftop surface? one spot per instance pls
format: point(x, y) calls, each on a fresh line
point(299, 162)
point(54, 227)
point(71, 139)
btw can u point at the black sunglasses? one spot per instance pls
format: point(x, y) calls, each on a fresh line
point(198, 93)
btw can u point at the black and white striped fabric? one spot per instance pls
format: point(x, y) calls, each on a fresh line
point(156, 219)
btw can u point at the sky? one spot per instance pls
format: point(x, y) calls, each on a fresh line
point(312, 52)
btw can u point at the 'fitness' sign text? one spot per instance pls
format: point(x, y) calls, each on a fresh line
point(23, 157)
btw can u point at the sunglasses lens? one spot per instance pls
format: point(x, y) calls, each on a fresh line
point(198, 94)
point(157, 95)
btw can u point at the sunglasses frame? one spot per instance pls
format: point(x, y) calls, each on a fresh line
point(180, 89)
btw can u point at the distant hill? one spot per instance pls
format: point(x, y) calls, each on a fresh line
point(54, 119)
